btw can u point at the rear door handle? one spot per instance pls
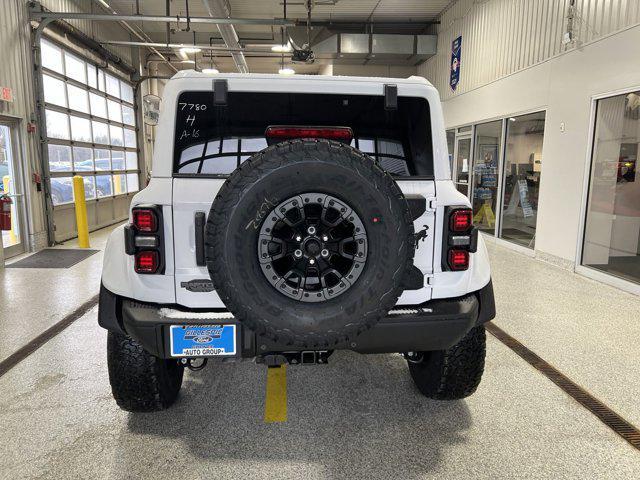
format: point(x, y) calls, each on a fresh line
point(199, 221)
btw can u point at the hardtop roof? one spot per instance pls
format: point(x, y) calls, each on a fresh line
point(413, 80)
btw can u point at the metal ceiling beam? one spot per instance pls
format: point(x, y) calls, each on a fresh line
point(159, 19)
point(221, 48)
point(367, 23)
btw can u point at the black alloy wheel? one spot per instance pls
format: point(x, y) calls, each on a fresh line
point(312, 247)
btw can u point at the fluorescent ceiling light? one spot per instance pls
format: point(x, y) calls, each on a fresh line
point(190, 50)
point(104, 3)
point(210, 70)
point(286, 71)
point(192, 62)
point(281, 48)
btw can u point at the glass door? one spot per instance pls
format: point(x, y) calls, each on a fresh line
point(462, 162)
point(521, 182)
point(487, 148)
point(612, 230)
point(11, 185)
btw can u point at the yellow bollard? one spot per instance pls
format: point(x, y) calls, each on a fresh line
point(117, 185)
point(13, 238)
point(81, 212)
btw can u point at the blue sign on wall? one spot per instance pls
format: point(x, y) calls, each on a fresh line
point(456, 53)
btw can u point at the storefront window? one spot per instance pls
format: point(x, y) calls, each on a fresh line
point(487, 147)
point(522, 167)
point(612, 231)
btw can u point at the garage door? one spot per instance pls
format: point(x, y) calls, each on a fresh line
point(91, 132)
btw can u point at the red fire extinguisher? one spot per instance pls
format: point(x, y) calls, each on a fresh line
point(5, 212)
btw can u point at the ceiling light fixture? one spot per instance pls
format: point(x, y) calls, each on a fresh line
point(190, 50)
point(286, 71)
point(210, 70)
point(281, 48)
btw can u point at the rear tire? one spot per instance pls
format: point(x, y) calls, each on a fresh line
point(454, 373)
point(141, 382)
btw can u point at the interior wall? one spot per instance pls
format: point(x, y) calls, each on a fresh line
point(16, 73)
point(501, 37)
point(564, 86)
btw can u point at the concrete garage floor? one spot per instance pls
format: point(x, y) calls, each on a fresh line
point(358, 417)
point(34, 299)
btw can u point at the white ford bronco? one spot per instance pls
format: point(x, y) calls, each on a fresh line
point(289, 217)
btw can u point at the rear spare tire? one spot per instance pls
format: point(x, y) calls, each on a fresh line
point(307, 243)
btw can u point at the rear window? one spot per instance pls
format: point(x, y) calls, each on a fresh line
point(214, 140)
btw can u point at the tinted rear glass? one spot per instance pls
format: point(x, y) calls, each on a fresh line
point(214, 140)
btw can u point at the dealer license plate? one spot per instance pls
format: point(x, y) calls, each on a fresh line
point(203, 340)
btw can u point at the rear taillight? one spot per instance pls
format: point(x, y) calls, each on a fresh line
point(341, 134)
point(458, 259)
point(147, 262)
point(144, 239)
point(460, 238)
point(145, 220)
point(461, 220)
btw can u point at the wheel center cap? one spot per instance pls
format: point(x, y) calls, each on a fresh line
point(312, 246)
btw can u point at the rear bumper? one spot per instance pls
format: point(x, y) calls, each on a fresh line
point(434, 325)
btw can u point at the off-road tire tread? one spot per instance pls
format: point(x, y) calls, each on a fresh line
point(140, 382)
point(251, 171)
point(454, 373)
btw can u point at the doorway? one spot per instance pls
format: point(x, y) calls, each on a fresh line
point(11, 185)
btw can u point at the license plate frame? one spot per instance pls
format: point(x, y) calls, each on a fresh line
point(214, 340)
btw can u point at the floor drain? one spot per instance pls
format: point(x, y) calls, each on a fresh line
point(611, 419)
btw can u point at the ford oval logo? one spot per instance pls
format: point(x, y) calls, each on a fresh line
point(202, 339)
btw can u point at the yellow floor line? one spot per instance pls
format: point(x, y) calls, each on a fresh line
point(275, 407)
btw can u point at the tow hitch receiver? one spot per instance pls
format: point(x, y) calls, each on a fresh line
point(307, 357)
